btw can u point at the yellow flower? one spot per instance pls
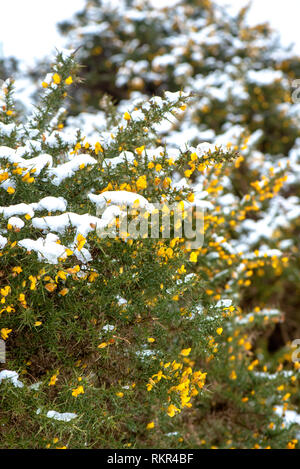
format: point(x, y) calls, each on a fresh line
point(53, 379)
point(73, 270)
point(61, 274)
point(77, 147)
point(119, 394)
point(5, 175)
point(5, 291)
point(103, 345)
point(185, 352)
point(151, 340)
point(291, 445)
point(17, 270)
point(219, 330)
point(50, 287)
point(93, 276)
point(38, 323)
point(80, 242)
point(167, 182)
point(76, 392)
point(140, 150)
point(194, 257)
point(169, 253)
point(98, 148)
point(56, 78)
point(5, 332)
point(127, 116)
point(11, 190)
point(141, 183)
point(69, 81)
point(64, 292)
point(172, 409)
point(33, 281)
point(150, 426)
point(44, 84)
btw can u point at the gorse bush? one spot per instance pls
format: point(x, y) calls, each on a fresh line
point(115, 342)
point(241, 78)
point(241, 73)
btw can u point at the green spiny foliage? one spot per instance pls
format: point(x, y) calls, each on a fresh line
point(143, 339)
point(241, 78)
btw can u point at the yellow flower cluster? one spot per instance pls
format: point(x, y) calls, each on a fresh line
point(186, 382)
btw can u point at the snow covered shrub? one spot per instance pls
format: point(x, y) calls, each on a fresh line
point(240, 73)
point(114, 342)
point(241, 79)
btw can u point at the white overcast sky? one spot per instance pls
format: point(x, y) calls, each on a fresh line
point(28, 27)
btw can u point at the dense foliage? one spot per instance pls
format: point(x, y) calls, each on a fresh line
point(114, 341)
point(242, 80)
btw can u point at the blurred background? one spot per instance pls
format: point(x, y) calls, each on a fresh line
point(32, 33)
